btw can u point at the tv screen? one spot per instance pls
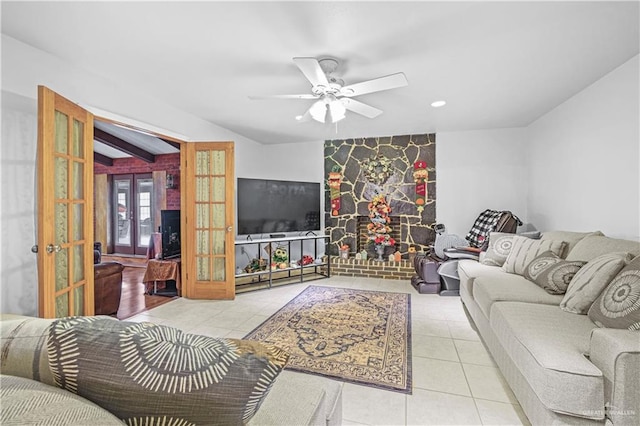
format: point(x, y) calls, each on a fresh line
point(170, 229)
point(271, 206)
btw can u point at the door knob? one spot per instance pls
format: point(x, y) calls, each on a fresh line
point(229, 229)
point(51, 248)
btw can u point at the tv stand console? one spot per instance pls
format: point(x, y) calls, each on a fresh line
point(266, 275)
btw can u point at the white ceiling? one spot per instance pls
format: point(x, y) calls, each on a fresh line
point(497, 64)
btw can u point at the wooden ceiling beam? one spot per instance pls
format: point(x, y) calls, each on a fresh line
point(176, 145)
point(102, 159)
point(124, 146)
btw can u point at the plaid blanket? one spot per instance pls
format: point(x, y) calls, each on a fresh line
point(484, 224)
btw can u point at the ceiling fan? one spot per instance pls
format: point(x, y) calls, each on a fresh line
point(333, 98)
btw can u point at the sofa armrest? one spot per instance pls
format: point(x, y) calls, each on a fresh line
point(24, 348)
point(617, 354)
point(301, 399)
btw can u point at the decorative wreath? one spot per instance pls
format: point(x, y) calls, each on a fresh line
point(377, 169)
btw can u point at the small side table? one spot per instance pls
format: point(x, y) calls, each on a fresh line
point(162, 270)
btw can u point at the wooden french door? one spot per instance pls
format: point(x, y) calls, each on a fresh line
point(65, 207)
point(208, 254)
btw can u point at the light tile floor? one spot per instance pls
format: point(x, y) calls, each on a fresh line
point(455, 380)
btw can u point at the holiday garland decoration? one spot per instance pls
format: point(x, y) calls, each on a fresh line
point(379, 228)
point(420, 176)
point(334, 181)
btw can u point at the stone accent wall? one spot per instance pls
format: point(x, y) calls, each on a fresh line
point(352, 267)
point(359, 185)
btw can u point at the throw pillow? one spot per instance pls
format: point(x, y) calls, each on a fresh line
point(524, 250)
point(500, 245)
point(152, 374)
point(590, 280)
point(618, 306)
point(551, 272)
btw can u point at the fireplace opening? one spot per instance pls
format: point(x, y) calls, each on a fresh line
point(363, 234)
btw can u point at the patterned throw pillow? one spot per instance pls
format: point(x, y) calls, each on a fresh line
point(524, 250)
point(551, 272)
point(618, 306)
point(590, 280)
point(152, 374)
point(500, 245)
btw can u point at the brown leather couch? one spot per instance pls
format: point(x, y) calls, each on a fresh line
point(107, 287)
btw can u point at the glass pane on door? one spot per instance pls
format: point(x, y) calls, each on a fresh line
point(123, 198)
point(144, 213)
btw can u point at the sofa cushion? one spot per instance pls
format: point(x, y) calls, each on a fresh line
point(551, 272)
point(618, 306)
point(548, 346)
point(590, 280)
point(469, 270)
point(174, 377)
point(569, 237)
point(29, 402)
point(524, 250)
point(593, 246)
point(509, 287)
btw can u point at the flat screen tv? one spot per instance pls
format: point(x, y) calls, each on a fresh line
point(273, 206)
point(170, 230)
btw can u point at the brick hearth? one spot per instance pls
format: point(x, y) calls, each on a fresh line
point(352, 267)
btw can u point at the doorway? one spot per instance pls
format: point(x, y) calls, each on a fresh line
point(133, 221)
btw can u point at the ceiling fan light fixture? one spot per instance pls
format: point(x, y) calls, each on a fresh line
point(318, 110)
point(337, 110)
point(328, 109)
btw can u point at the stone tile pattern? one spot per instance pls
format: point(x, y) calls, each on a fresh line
point(356, 191)
point(352, 267)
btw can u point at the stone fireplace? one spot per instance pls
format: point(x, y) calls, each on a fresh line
point(380, 165)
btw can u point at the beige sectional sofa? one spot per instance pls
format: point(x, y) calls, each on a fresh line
point(561, 366)
point(29, 394)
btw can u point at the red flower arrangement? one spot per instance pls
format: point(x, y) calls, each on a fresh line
point(379, 227)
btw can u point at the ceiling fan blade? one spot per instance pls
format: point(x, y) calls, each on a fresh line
point(311, 69)
point(303, 96)
point(360, 108)
point(376, 85)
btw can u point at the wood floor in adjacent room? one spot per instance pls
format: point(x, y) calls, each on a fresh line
point(133, 300)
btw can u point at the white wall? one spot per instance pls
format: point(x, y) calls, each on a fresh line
point(478, 170)
point(18, 273)
point(295, 161)
point(584, 159)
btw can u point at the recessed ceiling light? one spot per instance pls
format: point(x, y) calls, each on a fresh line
point(298, 117)
point(438, 104)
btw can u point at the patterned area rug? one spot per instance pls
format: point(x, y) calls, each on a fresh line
point(357, 336)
